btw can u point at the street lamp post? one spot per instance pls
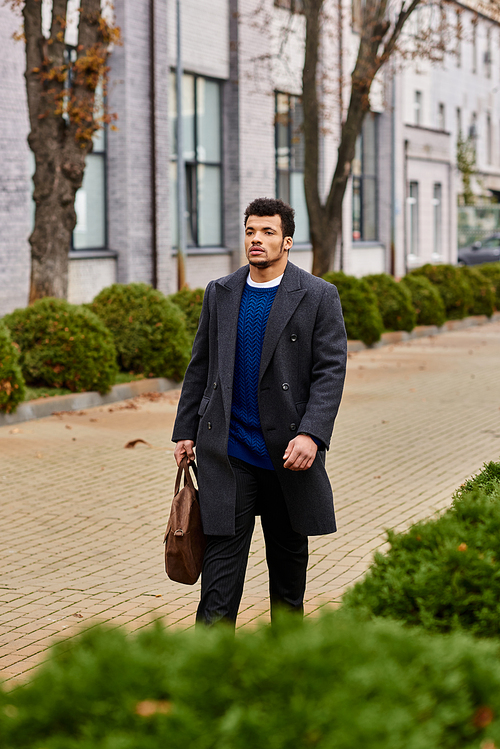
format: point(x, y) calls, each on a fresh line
point(181, 170)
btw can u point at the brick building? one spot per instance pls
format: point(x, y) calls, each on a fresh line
point(242, 138)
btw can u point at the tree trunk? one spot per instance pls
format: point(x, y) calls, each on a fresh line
point(61, 111)
point(325, 218)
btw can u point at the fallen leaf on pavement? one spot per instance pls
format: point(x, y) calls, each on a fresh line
point(78, 615)
point(133, 443)
point(93, 419)
point(68, 426)
point(16, 431)
point(147, 708)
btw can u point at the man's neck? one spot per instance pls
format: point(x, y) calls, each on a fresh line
point(261, 275)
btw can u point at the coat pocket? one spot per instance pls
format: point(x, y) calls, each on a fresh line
point(203, 405)
point(301, 408)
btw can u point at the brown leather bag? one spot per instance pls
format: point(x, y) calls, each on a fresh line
point(184, 538)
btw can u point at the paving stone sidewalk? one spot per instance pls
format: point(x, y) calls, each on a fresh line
point(82, 517)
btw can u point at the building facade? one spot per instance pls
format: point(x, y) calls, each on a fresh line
point(242, 115)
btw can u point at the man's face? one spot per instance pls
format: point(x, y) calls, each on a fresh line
point(264, 241)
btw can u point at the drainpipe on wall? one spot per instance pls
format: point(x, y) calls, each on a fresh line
point(152, 98)
point(392, 260)
point(181, 170)
point(341, 118)
point(405, 193)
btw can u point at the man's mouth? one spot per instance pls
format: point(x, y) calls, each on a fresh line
point(254, 250)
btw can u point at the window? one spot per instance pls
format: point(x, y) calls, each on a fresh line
point(365, 183)
point(289, 150)
point(90, 200)
point(458, 49)
point(90, 232)
point(441, 117)
point(412, 201)
point(201, 130)
point(487, 54)
point(473, 128)
point(437, 219)
point(459, 122)
point(417, 108)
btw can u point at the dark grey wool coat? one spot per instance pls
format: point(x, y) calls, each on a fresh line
point(300, 387)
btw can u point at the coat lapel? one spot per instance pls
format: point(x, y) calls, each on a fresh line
point(285, 303)
point(228, 305)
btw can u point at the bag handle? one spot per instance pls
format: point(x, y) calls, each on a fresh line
point(184, 468)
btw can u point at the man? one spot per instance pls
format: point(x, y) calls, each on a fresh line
point(259, 401)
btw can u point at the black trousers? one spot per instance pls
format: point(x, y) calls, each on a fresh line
point(258, 492)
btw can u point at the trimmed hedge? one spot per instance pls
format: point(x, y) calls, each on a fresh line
point(63, 346)
point(453, 286)
point(12, 389)
point(426, 299)
point(483, 291)
point(190, 302)
point(492, 272)
point(149, 330)
point(443, 574)
point(362, 318)
point(394, 302)
point(329, 682)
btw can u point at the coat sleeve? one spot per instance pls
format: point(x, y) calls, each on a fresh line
point(329, 352)
point(195, 379)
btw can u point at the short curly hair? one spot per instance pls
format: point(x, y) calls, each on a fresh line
point(273, 207)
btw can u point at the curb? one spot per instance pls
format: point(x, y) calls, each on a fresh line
point(37, 409)
point(421, 331)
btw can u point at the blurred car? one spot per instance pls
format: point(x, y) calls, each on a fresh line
point(487, 251)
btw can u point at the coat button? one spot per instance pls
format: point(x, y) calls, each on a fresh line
point(293, 337)
point(209, 425)
point(285, 386)
point(293, 427)
point(215, 386)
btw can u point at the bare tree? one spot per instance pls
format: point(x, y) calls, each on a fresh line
point(379, 36)
point(64, 114)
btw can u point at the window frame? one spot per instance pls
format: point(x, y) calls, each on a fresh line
point(193, 164)
point(359, 180)
point(289, 171)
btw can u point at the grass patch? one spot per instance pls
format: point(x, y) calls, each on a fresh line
point(32, 393)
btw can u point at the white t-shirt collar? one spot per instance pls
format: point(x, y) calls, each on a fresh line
point(264, 284)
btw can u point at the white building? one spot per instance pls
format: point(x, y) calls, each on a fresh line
point(242, 118)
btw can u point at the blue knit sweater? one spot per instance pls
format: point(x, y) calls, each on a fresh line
point(246, 440)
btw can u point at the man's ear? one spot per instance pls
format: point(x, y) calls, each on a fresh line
point(288, 243)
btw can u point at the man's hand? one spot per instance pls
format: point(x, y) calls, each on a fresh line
point(300, 453)
point(182, 448)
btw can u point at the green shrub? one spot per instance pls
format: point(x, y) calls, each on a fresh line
point(426, 300)
point(492, 271)
point(394, 302)
point(362, 318)
point(443, 574)
point(332, 682)
point(63, 346)
point(148, 329)
point(483, 291)
point(12, 389)
point(453, 286)
point(190, 301)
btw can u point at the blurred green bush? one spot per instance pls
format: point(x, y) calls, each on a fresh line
point(333, 682)
point(63, 346)
point(443, 574)
point(453, 286)
point(190, 302)
point(426, 300)
point(362, 318)
point(149, 330)
point(394, 302)
point(12, 387)
point(492, 271)
point(483, 291)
